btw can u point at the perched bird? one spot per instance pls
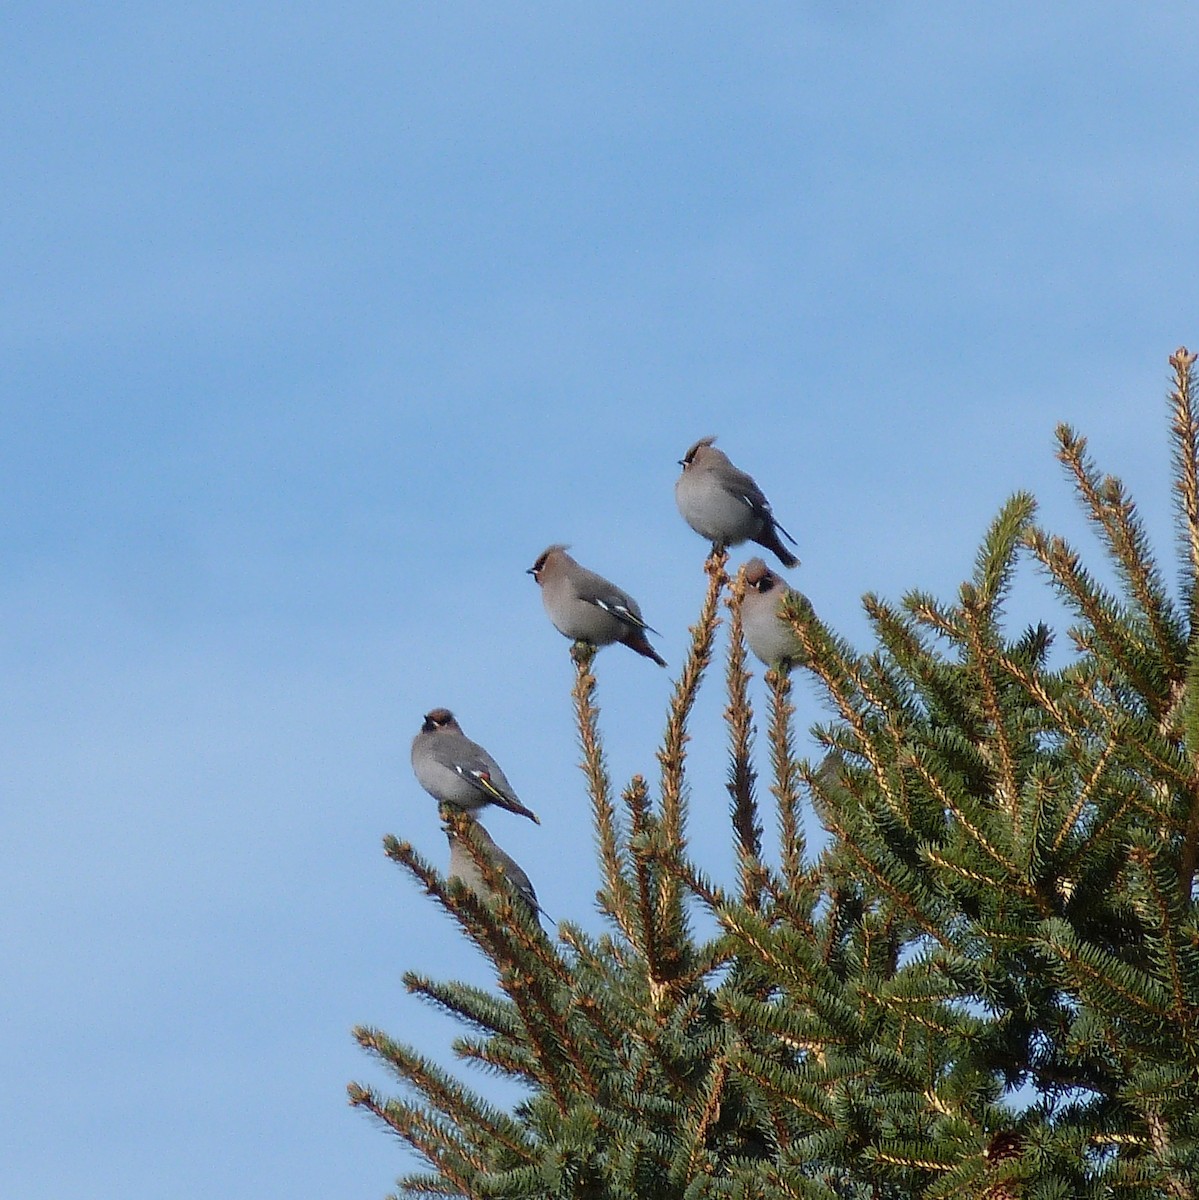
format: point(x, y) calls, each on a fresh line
point(585, 606)
point(768, 633)
point(456, 771)
point(725, 505)
point(464, 867)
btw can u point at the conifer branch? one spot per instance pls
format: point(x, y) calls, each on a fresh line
point(544, 1037)
point(1185, 429)
point(1187, 861)
point(1189, 705)
point(849, 844)
point(940, 618)
point(739, 718)
point(593, 1005)
point(467, 1110)
point(433, 1140)
point(953, 803)
point(490, 1014)
point(666, 925)
point(615, 898)
point(785, 785)
point(1033, 684)
point(1093, 968)
point(693, 880)
point(651, 895)
point(504, 935)
point(1109, 819)
point(475, 918)
point(1101, 614)
point(699, 1159)
point(787, 1087)
point(912, 654)
point(1159, 1137)
point(505, 1058)
point(1086, 794)
point(978, 631)
point(847, 686)
point(1111, 510)
point(1163, 917)
point(672, 756)
point(526, 963)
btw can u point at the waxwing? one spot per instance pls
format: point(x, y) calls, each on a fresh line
point(586, 607)
point(769, 634)
point(725, 505)
point(464, 867)
point(456, 771)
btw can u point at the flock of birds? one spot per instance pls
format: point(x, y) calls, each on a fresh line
point(721, 503)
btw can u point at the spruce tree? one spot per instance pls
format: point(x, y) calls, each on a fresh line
point(984, 982)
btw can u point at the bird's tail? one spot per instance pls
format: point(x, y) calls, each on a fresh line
point(638, 641)
point(771, 541)
point(511, 803)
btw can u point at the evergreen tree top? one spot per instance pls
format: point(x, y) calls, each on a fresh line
point(985, 983)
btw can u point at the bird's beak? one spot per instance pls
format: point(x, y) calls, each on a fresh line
point(682, 462)
point(531, 571)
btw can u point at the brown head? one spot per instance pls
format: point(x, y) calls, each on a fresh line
point(438, 719)
point(760, 578)
point(703, 451)
point(549, 558)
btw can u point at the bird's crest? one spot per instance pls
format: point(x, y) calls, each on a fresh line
point(438, 718)
point(702, 444)
point(536, 569)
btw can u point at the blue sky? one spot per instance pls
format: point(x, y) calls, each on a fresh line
point(320, 322)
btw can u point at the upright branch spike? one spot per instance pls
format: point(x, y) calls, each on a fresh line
point(700, 1159)
point(672, 756)
point(616, 895)
point(1114, 514)
point(1106, 622)
point(785, 786)
point(747, 826)
point(996, 560)
point(1189, 857)
point(1185, 428)
point(980, 628)
point(845, 677)
point(649, 882)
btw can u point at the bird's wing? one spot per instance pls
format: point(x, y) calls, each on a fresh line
point(614, 601)
point(480, 777)
point(516, 876)
point(738, 483)
point(622, 608)
point(473, 764)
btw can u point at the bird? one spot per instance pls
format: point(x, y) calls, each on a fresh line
point(769, 634)
point(725, 505)
point(586, 607)
point(456, 771)
point(464, 867)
